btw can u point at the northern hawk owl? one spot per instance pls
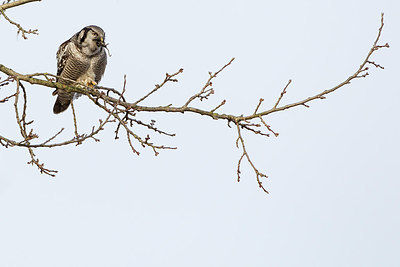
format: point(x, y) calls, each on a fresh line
point(80, 60)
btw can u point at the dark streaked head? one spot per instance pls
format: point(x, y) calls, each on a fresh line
point(91, 40)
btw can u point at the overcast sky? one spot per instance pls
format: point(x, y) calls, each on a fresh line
point(333, 171)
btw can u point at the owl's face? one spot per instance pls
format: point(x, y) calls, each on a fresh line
point(91, 40)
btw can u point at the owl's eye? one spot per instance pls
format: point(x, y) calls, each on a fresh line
point(95, 34)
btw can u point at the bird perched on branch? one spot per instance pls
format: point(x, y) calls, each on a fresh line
point(81, 60)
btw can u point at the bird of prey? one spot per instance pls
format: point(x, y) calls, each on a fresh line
point(81, 60)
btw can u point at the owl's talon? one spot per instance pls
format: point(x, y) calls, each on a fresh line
point(91, 84)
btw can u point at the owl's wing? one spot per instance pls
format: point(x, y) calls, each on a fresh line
point(62, 57)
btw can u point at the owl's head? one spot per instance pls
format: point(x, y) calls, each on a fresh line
point(91, 40)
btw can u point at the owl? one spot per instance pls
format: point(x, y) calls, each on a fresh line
point(81, 60)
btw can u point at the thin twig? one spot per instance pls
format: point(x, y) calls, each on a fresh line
point(207, 84)
point(282, 93)
point(7, 98)
point(217, 107)
point(258, 106)
point(75, 124)
point(168, 78)
point(53, 137)
point(268, 127)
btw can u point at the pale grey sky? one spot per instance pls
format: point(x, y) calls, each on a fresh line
point(333, 170)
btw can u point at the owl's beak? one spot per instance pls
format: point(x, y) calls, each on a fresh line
point(100, 42)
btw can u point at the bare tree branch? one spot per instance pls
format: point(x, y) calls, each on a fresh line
point(12, 4)
point(125, 113)
point(259, 174)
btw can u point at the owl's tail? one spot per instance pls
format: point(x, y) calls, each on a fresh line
point(62, 102)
